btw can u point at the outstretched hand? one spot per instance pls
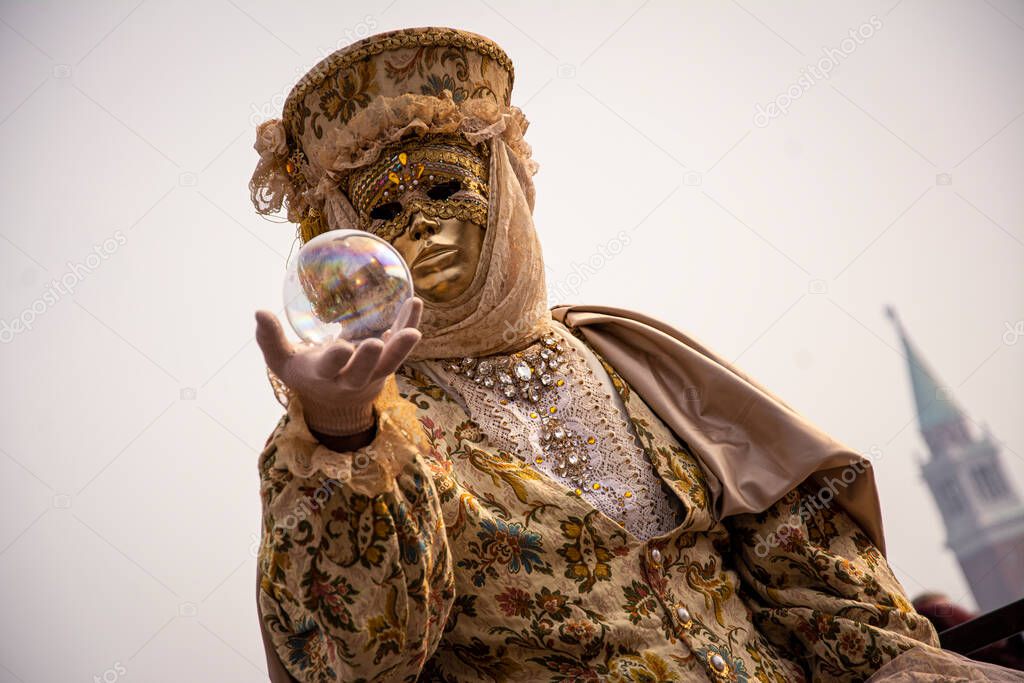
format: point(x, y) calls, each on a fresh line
point(340, 378)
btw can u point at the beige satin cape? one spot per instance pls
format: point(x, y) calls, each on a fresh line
point(754, 448)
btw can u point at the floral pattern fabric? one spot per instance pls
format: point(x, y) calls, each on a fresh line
point(470, 565)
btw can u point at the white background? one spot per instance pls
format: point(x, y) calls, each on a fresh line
point(136, 405)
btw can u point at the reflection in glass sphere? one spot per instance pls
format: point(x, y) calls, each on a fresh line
point(345, 284)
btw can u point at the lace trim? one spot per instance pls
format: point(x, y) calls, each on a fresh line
point(611, 470)
point(368, 470)
point(277, 181)
point(389, 120)
point(311, 181)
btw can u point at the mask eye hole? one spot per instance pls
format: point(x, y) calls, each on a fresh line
point(386, 212)
point(444, 190)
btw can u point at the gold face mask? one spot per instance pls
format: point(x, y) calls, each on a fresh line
point(443, 255)
point(442, 177)
point(429, 199)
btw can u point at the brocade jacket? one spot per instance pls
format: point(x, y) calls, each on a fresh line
point(445, 551)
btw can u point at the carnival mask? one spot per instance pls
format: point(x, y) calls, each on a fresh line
point(442, 253)
point(429, 199)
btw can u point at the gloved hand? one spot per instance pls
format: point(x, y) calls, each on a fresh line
point(337, 383)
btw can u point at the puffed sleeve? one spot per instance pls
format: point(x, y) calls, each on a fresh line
point(820, 589)
point(355, 573)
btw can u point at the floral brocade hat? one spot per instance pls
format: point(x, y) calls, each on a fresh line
point(395, 122)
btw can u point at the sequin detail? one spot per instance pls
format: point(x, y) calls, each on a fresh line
point(546, 404)
point(528, 376)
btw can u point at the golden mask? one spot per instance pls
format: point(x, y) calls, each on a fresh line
point(429, 199)
point(443, 177)
point(443, 254)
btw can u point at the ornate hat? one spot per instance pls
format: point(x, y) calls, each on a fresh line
point(393, 123)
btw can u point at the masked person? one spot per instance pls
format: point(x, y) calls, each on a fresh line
point(499, 491)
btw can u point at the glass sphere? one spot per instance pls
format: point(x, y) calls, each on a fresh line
point(345, 284)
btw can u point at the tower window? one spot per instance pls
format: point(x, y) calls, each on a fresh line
point(988, 482)
point(952, 498)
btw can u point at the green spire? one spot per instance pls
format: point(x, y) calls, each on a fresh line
point(934, 400)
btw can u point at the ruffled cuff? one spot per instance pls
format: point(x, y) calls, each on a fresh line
point(369, 470)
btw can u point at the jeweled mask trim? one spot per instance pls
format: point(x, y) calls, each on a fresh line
point(443, 176)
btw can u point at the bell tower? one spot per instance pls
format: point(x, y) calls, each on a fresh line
point(983, 514)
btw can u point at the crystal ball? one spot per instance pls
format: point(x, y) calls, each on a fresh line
point(345, 284)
